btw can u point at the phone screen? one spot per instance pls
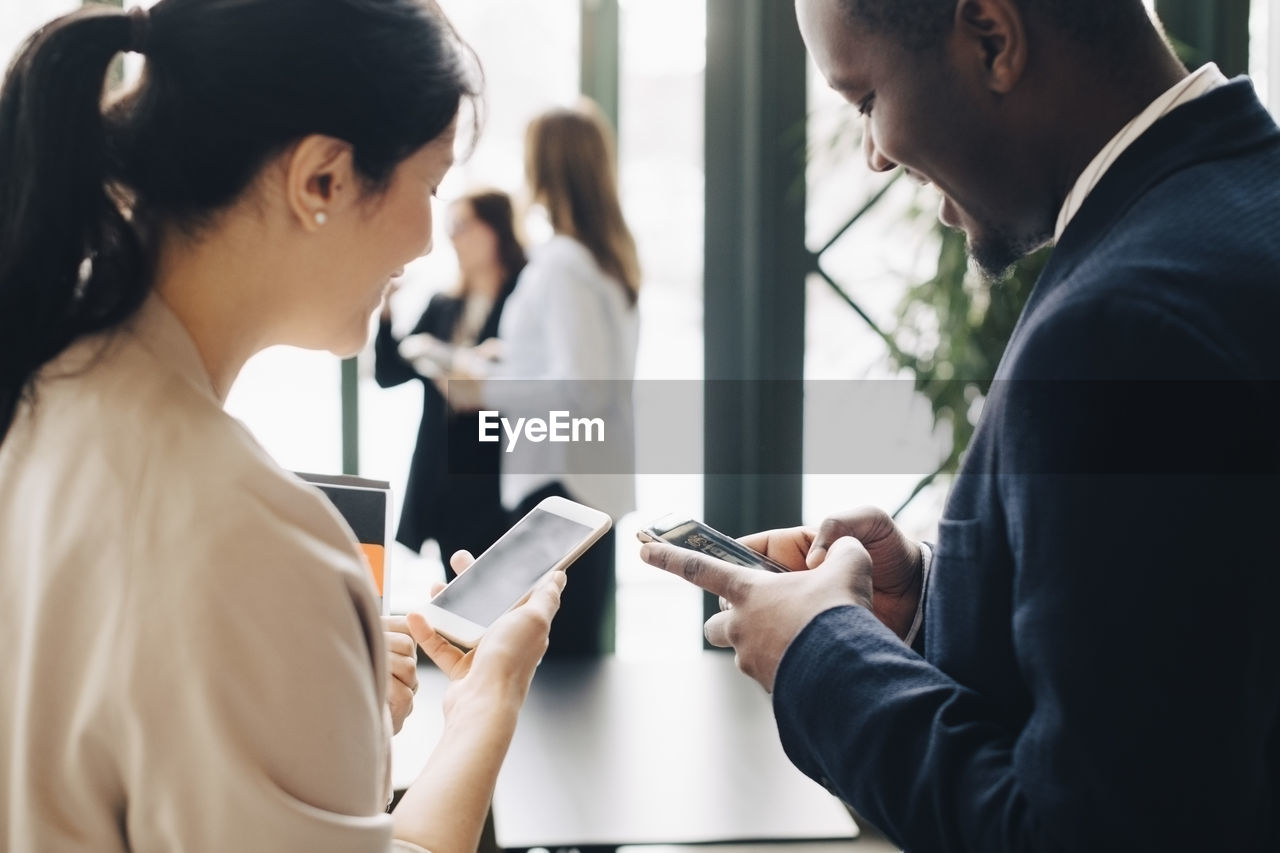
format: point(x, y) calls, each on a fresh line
point(502, 575)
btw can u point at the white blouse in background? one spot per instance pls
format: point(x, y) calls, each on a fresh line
point(193, 658)
point(569, 338)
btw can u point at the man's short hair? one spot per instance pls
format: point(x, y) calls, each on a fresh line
point(1102, 24)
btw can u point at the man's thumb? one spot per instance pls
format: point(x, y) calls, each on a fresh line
point(847, 555)
point(847, 551)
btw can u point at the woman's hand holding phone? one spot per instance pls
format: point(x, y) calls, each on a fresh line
point(445, 807)
point(500, 668)
point(402, 668)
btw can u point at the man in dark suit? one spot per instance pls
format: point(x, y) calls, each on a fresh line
point(1089, 659)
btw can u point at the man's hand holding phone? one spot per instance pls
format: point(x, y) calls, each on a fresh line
point(768, 609)
point(860, 557)
point(896, 560)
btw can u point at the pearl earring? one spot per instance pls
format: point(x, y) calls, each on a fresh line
point(321, 217)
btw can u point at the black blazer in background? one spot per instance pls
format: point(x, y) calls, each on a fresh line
point(458, 510)
point(1100, 666)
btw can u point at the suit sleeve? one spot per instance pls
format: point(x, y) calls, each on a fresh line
point(389, 367)
point(1142, 624)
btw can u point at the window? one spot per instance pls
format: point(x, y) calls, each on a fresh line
point(873, 262)
point(663, 59)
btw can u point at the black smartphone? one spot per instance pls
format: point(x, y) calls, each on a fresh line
point(694, 535)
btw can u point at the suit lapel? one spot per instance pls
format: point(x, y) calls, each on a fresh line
point(1226, 122)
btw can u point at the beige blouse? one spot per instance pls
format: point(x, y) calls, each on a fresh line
point(191, 657)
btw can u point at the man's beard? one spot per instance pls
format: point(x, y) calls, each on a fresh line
point(999, 249)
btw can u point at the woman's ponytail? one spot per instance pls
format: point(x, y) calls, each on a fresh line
point(70, 262)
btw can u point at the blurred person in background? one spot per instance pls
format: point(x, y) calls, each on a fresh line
point(567, 342)
point(193, 658)
point(452, 492)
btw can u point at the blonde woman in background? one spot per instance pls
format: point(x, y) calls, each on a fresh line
point(568, 343)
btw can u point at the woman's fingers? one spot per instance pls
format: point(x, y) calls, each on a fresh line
point(444, 654)
point(404, 668)
point(400, 642)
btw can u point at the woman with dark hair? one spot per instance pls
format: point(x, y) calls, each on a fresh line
point(192, 651)
point(452, 492)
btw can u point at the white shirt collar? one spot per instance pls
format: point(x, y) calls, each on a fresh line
point(1204, 80)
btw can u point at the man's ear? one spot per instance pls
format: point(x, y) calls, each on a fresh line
point(319, 180)
point(996, 33)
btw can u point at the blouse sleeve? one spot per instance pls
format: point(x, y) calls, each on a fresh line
point(262, 726)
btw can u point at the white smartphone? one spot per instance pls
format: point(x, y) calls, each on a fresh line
point(696, 536)
point(554, 534)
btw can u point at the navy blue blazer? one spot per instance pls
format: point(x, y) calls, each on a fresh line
point(1100, 665)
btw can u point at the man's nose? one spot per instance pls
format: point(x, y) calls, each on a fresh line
point(875, 157)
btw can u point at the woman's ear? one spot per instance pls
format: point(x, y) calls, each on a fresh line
point(319, 180)
point(995, 35)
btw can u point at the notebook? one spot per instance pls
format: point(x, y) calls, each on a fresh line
point(366, 506)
